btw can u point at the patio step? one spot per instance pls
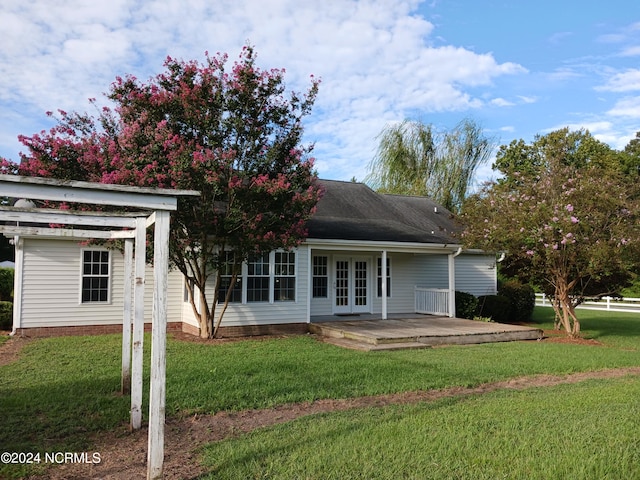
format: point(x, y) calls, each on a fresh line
point(475, 338)
point(332, 332)
point(368, 347)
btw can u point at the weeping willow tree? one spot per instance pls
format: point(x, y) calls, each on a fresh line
point(414, 159)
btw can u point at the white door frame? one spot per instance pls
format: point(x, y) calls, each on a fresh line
point(351, 284)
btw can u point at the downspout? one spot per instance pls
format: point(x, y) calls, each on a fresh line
point(495, 270)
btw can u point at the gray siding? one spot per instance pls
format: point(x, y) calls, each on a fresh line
point(407, 272)
point(52, 281)
point(263, 313)
point(476, 274)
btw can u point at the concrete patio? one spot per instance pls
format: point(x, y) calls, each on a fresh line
point(370, 332)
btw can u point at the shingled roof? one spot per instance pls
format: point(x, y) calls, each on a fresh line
point(353, 211)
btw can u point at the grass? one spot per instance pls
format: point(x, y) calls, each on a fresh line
point(63, 390)
point(585, 431)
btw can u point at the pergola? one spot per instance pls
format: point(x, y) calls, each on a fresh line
point(154, 207)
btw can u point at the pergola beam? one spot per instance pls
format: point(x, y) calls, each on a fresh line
point(161, 203)
point(36, 188)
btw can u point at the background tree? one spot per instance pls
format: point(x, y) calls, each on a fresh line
point(414, 159)
point(230, 134)
point(566, 213)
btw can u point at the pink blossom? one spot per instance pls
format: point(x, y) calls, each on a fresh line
point(569, 208)
point(574, 219)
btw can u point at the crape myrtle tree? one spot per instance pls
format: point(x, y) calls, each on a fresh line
point(567, 214)
point(415, 159)
point(233, 134)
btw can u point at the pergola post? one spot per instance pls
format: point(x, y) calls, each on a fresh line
point(138, 324)
point(155, 451)
point(127, 316)
point(159, 201)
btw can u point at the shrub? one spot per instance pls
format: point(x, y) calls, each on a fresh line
point(6, 315)
point(466, 305)
point(498, 307)
point(6, 284)
point(522, 298)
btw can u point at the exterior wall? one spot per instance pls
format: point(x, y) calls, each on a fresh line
point(476, 274)
point(50, 295)
point(51, 284)
point(407, 271)
point(261, 313)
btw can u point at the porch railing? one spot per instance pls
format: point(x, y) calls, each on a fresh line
point(432, 301)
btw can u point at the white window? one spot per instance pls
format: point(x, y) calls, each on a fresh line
point(96, 269)
point(284, 287)
point(320, 276)
point(258, 278)
point(226, 275)
point(268, 277)
point(388, 274)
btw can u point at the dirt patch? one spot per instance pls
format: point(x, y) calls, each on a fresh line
point(10, 350)
point(555, 336)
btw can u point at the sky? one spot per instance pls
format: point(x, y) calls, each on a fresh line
point(516, 67)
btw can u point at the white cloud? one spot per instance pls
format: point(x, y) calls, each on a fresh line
point(375, 58)
point(501, 102)
point(633, 51)
point(526, 99)
point(623, 82)
point(626, 107)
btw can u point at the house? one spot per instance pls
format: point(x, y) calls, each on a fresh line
point(366, 253)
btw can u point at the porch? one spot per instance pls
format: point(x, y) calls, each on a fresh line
point(400, 331)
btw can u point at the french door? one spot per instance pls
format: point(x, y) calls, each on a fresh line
point(351, 285)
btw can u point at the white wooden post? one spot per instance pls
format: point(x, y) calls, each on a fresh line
point(452, 285)
point(383, 272)
point(155, 452)
point(127, 317)
point(17, 282)
point(138, 324)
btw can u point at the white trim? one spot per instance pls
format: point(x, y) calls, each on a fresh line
point(309, 282)
point(18, 273)
point(371, 246)
point(37, 188)
point(109, 276)
point(384, 260)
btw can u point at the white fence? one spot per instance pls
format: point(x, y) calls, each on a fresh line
point(432, 301)
point(613, 304)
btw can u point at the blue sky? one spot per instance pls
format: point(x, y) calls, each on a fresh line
point(517, 67)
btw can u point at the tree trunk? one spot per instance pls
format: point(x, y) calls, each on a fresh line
point(566, 311)
point(227, 298)
point(205, 319)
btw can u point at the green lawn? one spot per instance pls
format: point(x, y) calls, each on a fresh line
point(585, 431)
point(62, 390)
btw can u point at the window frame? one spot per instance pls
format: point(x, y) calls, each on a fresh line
point(108, 276)
point(252, 277)
point(291, 264)
point(379, 277)
point(320, 276)
point(225, 278)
